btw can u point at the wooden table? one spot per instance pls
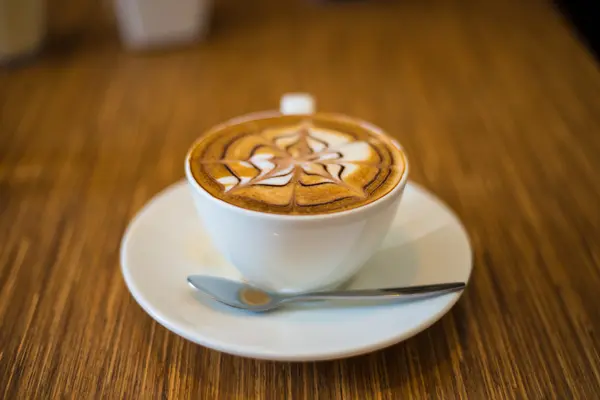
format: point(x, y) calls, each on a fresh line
point(497, 104)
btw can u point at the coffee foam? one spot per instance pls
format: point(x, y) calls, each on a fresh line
point(296, 164)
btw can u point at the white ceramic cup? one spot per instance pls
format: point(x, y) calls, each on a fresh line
point(296, 253)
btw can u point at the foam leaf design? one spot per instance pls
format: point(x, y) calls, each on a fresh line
point(300, 156)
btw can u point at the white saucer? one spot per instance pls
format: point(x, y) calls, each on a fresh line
point(165, 243)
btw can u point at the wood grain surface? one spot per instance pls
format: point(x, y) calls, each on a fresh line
point(496, 103)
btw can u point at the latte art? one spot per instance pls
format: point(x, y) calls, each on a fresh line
point(296, 164)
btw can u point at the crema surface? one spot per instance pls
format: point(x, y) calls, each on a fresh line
point(294, 164)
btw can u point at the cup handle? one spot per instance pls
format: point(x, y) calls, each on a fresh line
point(297, 103)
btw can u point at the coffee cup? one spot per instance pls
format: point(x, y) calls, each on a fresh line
point(296, 200)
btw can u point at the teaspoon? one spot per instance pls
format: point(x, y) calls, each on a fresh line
point(242, 295)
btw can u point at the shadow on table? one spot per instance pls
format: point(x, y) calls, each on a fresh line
point(414, 365)
point(418, 361)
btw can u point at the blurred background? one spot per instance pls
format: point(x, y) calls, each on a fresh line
point(137, 80)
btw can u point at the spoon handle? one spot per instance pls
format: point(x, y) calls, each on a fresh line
point(407, 292)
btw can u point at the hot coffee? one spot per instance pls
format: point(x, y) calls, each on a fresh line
point(296, 164)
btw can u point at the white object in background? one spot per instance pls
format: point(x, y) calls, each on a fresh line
point(165, 243)
point(162, 23)
point(22, 28)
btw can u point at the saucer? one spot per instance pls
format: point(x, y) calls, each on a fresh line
point(165, 243)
